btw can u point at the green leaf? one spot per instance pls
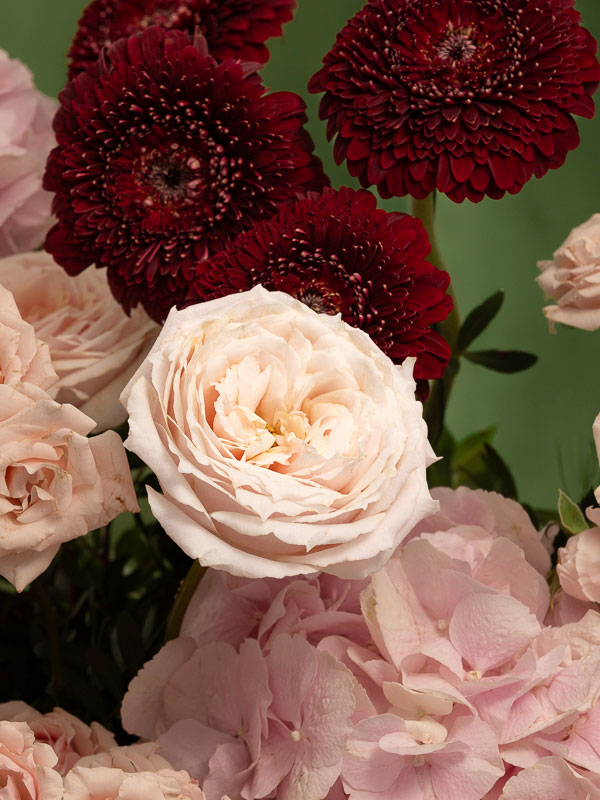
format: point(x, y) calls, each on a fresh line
point(571, 516)
point(471, 446)
point(502, 360)
point(502, 480)
point(478, 320)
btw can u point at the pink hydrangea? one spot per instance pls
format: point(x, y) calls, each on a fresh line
point(26, 138)
point(246, 724)
point(458, 677)
point(228, 609)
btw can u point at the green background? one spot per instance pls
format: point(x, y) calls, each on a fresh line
point(544, 415)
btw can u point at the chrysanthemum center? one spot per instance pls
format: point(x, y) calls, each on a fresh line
point(168, 15)
point(183, 181)
point(174, 179)
point(325, 303)
point(457, 47)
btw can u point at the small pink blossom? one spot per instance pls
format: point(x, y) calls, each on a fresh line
point(572, 279)
point(26, 138)
point(69, 737)
point(26, 766)
point(95, 347)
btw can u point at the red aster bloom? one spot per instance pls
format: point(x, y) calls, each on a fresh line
point(163, 155)
point(338, 253)
point(470, 97)
point(232, 28)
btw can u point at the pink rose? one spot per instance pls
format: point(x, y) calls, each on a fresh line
point(22, 356)
point(95, 347)
point(284, 441)
point(69, 737)
point(129, 773)
point(572, 279)
point(578, 565)
point(26, 138)
point(26, 766)
point(55, 483)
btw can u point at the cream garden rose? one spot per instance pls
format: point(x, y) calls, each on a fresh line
point(284, 441)
point(95, 347)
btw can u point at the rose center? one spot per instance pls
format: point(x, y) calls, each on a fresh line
point(458, 47)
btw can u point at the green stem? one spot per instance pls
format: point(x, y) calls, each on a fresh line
point(435, 407)
point(182, 599)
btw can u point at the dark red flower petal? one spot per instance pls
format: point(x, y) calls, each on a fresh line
point(469, 97)
point(164, 155)
point(232, 28)
point(338, 253)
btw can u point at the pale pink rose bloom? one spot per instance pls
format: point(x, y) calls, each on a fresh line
point(246, 724)
point(388, 758)
point(550, 779)
point(26, 138)
point(95, 347)
point(55, 483)
point(138, 757)
point(229, 609)
point(572, 279)
point(69, 737)
point(274, 457)
point(26, 766)
point(106, 783)
point(594, 513)
point(578, 567)
point(23, 357)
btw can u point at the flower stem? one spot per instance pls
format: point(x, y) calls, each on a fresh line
point(435, 407)
point(183, 598)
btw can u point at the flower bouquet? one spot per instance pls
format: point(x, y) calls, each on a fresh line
point(244, 556)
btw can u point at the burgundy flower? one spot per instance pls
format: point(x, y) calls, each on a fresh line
point(470, 97)
point(232, 28)
point(338, 253)
point(163, 155)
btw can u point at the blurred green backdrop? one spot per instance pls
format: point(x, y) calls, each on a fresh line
point(543, 416)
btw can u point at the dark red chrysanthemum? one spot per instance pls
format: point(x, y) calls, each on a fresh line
point(470, 97)
point(337, 252)
point(232, 28)
point(162, 157)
